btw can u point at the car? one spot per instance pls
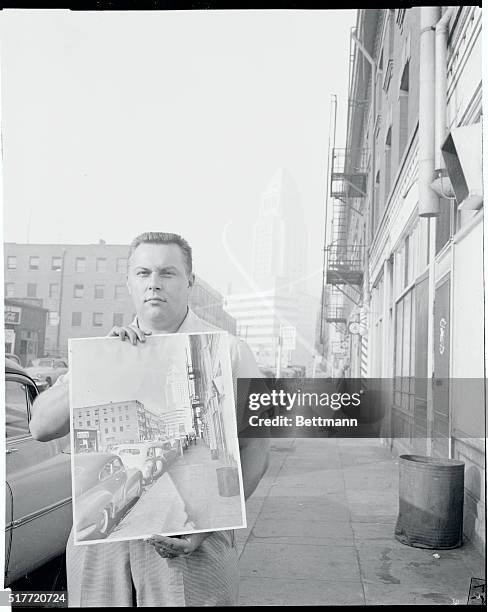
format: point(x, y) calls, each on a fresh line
point(47, 369)
point(38, 516)
point(148, 457)
point(104, 487)
point(13, 357)
point(184, 442)
point(170, 449)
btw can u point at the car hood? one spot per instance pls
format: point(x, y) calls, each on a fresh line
point(32, 371)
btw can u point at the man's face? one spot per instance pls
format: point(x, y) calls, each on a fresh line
point(159, 286)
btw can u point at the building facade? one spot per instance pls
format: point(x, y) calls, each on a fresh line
point(83, 288)
point(25, 328)
point(261, 315)
point(404, 273)
point(119, 423)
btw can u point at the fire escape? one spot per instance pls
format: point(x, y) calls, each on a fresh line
point(348, 188)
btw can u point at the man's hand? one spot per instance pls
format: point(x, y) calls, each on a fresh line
point(131, 332)
point(170, 547)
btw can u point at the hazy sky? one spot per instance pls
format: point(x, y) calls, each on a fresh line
point(116, 123)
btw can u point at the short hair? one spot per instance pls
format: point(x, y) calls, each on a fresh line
point(164, 238)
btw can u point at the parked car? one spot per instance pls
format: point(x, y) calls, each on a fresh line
point(13, 357)
point(170, 449)
point(103, 489)
point(146, 456)
point(38, 484)
point(46, 369)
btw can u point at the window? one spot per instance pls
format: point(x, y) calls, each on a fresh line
point(80, 264)
point(88, 423)
point(403, 105)
point(387, 164)
point(118, 319)
point(56, 263)
point(106, 429)
point(121, 428)
point(120, 418)
point(101, 265)
point(126, 417)
point(114, 429)
point(9, 290)
point(31, 289)
point(97, 319)
point(33, 262)
point(122, 265)
point(16, 409)
point(53, 318)
point(113, 419)
point(78, 291)
point(75, 319)
point(11, 262)
point(99, 292)
point(54, 290)
point(119, 292)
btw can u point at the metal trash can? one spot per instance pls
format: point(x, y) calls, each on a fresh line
point(228, 481)
point(431, 497)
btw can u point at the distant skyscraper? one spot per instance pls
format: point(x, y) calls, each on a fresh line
point(280, 238)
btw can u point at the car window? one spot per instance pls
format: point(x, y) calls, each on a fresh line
point(150, 452)
point(16, 409)
point(117, 465)
point(158, 451)
point(129, 451)
point(105, 472)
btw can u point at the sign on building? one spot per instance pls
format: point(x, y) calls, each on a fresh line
point(12, 315)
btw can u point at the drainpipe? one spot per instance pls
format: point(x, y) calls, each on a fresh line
point(441, 35)
point(428, 200)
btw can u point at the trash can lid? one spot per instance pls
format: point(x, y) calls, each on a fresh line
point(441, 462)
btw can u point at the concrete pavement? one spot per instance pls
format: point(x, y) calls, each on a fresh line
point(320, 531)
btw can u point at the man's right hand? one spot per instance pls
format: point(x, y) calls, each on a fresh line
point(131, 332)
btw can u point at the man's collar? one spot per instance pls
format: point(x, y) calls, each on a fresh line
point(185, 325)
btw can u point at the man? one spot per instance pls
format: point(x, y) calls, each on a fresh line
point(194, 570)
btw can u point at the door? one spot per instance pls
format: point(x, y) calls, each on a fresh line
point(38, 486)
point(440, 430)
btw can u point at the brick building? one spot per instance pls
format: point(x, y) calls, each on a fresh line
point(83, 288)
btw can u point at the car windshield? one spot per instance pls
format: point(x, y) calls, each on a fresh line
point(40, 363)
point(129, 451)
point(167, 446)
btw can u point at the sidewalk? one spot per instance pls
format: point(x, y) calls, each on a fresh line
point(195, 477)
point(320, 531)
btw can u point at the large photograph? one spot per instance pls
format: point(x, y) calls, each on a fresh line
point(304, 187)
point(154, 438)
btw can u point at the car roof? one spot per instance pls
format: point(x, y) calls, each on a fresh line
point(12, 367)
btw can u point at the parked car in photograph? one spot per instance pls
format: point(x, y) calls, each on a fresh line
point(47, 369)
point(146, 456)
point(184, 442)
point(104, 487)
point(38, 515)
point(170, 449)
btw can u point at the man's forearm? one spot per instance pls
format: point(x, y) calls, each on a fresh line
point(50, 413)
point(254, 462)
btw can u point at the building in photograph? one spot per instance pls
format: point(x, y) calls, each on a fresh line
point(120, 422)
point(25, 328)
point(404, 257)
point(83, 288)
point(211, 397)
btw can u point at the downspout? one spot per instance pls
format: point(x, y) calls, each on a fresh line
point(441, 36)
point(428, 200)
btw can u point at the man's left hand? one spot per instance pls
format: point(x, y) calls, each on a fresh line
point(168, 547)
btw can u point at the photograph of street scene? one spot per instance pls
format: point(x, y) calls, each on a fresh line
point(161, 456)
